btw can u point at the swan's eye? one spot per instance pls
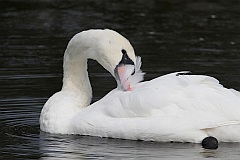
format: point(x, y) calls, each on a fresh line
point(124, 51)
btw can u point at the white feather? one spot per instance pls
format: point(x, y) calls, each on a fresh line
point(138, 75)
point(127, 79)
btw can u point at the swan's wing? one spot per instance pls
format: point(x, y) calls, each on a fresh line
point(190, 94)
point(171, 107)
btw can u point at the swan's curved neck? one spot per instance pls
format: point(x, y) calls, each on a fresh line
point(75, 77)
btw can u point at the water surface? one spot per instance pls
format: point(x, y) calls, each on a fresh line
point(170, 36)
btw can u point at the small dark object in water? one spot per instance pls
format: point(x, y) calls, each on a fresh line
point(210, 143)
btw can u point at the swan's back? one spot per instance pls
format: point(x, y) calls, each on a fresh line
point(173, 107)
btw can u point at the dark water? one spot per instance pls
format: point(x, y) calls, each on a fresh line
point(169, 35)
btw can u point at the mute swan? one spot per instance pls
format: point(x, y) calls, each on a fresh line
point(173, 107)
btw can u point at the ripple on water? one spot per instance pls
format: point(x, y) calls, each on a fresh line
point(19, 115)
point(21, 111)
point(19, 129)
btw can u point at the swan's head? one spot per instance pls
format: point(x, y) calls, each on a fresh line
point(113, 50)
point(109, 48)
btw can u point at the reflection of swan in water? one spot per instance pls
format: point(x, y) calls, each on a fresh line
point(173, 107)
point(55, 146)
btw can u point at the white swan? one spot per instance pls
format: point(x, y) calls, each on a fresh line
point(173, 107)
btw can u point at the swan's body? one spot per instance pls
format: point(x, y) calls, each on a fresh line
point(183, 108)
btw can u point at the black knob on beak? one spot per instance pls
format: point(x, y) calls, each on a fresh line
point(125, 59)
